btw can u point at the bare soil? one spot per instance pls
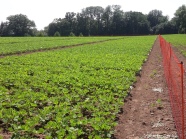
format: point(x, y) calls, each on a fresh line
point(147, 112)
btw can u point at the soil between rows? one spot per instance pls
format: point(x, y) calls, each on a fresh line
point(147, 112)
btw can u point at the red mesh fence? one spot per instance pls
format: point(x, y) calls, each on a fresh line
point(174, 72)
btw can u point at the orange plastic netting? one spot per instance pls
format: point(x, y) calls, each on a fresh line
point(174, 73)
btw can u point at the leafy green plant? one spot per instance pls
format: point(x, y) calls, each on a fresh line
point(154, 72)
point(69, 93)
point(157, 104)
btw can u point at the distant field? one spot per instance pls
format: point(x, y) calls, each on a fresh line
point(177, 40)
point(69, 93)
point(11, 45)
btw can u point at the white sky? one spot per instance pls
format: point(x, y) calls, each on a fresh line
point(44, 11)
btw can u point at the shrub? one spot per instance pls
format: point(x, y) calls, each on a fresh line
point(57, 34)
point(40, 34)
point(80, 35)
point(72, 34)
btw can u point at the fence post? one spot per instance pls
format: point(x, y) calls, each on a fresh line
point(169, 60)
point(183, 114)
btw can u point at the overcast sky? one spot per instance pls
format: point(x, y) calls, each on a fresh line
point(44, 11)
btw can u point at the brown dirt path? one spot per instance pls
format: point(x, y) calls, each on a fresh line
point(147, 112)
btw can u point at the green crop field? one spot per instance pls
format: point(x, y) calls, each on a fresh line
point(178, 41)
point(26, 44)
point(69, 93)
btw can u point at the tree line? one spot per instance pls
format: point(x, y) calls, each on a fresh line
point(99, 21)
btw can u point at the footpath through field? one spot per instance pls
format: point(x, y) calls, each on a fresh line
point(147, 113)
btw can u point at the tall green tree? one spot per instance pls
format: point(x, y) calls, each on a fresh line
point(20, 25)
point(82, 24)
point(180, 18)
point(118, 22)
point(71, 19)
point(95, 20)
point(92, 19)
point(107, 19)
point(51, 29)
point(136, 23)
point(98, 13)
point(65, 27)
point(155, 17)
point(167, 28)
point(4, 29)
